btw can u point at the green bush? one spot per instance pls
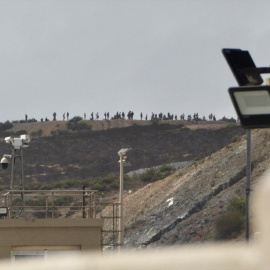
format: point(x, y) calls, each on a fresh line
point(98, 186)
point(235, 139)
point(149, 175)
point(155, 121)
point(75, 124)
point(31, 120)
point(17, 202)
point(231, 125)
point(63, 201)
point(229, 225)
point(37, 133)
point(38, 186)
point(109, 179)
point(152, 174)
point(232, 222)
point(41, 201)
point(115, 185)
point(76, 119)
point(238, 204)
point(232, 120)
point(78, 126)
point(166, 170)
point(108, 182)
point(65, 184)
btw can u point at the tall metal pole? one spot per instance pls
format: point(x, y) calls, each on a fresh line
point(83, 188)
point(22, 170)
point(12, 168)
point(248, 175)
point(22, 180)
point(121, 209)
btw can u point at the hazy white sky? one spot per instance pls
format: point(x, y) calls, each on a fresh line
point(142, 55)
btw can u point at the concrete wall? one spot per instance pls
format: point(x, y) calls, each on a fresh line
point(19, 234)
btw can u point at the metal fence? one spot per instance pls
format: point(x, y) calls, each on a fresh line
point(44, 204)
point(110, 231)
point(50, 204)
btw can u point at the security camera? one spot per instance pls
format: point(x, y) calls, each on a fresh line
point(123, 151)
point(4, 163)
point(126, 161)
point(23, 141)
point(9, 139)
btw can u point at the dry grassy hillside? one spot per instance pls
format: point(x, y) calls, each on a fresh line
point(78, 151)
point(49, 128)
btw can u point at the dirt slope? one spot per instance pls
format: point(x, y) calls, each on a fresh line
point(183, 208)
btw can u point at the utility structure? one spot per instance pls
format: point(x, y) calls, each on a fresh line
point(251, 101)
point(17, 153)
point(17, 143)
point(48, 235)
point(123, 160)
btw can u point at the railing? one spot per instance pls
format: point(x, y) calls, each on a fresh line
point(110, 231)
point(38, 204)
point(51, 204)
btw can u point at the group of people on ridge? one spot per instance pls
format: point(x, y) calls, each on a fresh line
point(130, 116)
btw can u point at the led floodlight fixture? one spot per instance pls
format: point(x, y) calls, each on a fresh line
point(252, 105)
point(243, 68)
point(251, 102)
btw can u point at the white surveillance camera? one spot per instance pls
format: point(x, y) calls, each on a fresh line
point(4, 163)
point(9, 139)
point(23, 141)
point(123, 151)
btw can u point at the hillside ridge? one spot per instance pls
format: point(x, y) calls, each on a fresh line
point(50, 127)
point(183, 208)
point(90, 148)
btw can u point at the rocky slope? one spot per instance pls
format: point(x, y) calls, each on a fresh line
point(183, 208)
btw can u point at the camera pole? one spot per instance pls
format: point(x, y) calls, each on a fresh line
point(248, 176)
point(121, 201)
point(12, 168)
